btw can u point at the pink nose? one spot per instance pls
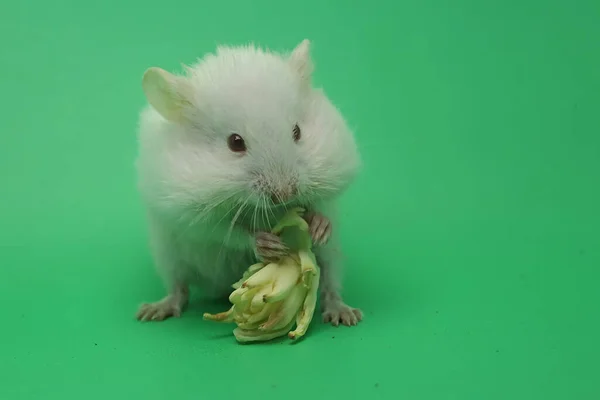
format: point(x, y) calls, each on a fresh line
point(281, 196)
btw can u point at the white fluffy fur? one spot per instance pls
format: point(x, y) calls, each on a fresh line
point(204, 201)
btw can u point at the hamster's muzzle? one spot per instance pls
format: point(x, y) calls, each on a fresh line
point(284, 195)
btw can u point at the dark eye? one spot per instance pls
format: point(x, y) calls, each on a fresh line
point(297, 133)
point(236, 143)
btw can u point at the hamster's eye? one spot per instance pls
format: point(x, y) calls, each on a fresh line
point(297, 133)
point(236, 143)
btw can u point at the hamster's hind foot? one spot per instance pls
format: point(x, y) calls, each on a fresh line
point(337, 312)
point(159, 310)
point(171, 306)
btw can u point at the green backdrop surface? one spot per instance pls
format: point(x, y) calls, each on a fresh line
point(471, 237)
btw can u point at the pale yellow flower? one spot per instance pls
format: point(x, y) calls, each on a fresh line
point(271, 298)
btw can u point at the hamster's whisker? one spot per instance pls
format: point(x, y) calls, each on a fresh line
point(285, 207)
point(201, 213)
point(266, 214)
point(262, 211)
point(220, 202)
point(231, 225)
point(235, 218)
point(282, 202)
point(233, 207)
point(254, 219)
point(272, 214)
point(246, 215)
point(192, 216)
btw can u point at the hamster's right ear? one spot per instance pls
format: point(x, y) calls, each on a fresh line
point(168, 94)
point(300, 60)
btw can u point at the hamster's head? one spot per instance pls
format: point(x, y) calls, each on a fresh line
point(241, 121)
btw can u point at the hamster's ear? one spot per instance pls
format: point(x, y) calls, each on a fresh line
point(168, 94)
point(301, 61)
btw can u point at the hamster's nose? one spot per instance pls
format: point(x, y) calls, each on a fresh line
point(285, 195)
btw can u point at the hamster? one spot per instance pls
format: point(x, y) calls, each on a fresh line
point(224, 150)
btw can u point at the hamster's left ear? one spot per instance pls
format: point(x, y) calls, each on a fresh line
point(168, 94)
point(301, 61)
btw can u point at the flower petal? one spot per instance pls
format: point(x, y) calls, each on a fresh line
point(248, 273)
point(226, 316)
point(262, 277)
point(290, 308)
point(308, 267)
point(258, 299)
point(266, 311)
point(308, 309)
point(287, 277)
point(244, 336)
point(236, 295)
point(243, 305)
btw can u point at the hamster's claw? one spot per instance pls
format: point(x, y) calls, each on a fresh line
point(339, 312)
point(319, 228)
point(269, 247)
point(159, 310)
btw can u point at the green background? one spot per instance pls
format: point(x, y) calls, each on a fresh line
point(471, 236)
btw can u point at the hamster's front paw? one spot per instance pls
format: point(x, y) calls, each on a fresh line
point(319, 228)
point(269, 247)
point(337, 312)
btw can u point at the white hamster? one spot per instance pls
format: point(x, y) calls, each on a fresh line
point(224, 150)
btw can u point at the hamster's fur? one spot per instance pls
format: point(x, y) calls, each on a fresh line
point(224, 150)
